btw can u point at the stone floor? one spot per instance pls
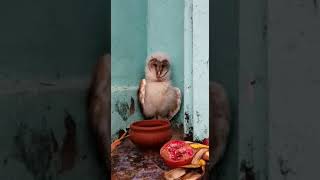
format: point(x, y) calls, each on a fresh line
point(129, 162)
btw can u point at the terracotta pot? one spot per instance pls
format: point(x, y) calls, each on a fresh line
point(150, 133)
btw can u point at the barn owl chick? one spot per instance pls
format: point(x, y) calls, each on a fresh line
point(158, 98)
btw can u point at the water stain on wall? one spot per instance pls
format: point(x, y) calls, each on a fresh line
point(247, 170)
point(5, 161)
point(198, 117)
point(247, 165)
point(122, 108)
point(265, 31)
point(187, 117)
point(189, 135)
point(132, 107)
point(285, 170)
point(69, 147)
point(36, 149)
point(315, 4)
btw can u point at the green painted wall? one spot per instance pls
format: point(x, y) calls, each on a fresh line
point(196, 68)
point(138, 29)
point(129, 51)
point(253, 90)
point(47, 52)
point(238, 60)
point(129, 47)
point(188, 66)
point(224, 68)
point(129, 41)
point(200, 69)
point(293, 76)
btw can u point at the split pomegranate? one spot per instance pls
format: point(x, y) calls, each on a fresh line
point(176, 153)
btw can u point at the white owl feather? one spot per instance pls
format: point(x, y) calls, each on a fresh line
point(158, 98)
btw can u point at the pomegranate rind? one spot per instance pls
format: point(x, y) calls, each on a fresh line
point(206, 141)
point(176, 153)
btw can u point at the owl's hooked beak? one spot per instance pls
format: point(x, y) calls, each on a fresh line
point(158, 70)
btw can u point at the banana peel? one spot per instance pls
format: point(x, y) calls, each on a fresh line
point(117, 142)
point(197, 162)
point(191, 176)
point(191, 166)
point(203, 170)
point(174, 173)
point(198, 156)
point(198, 146)
point(206, 156)
point(202, 162)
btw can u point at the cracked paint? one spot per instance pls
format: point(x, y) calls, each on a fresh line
point(284, 168)
point(122, 108)
point(247, 170)
point(69, 147)
point(132, 107)
point(36, 149)
point(315, 4)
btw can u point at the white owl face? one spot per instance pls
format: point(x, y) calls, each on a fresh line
point(158, 67)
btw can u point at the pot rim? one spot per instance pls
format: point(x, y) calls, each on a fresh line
point(164, 124)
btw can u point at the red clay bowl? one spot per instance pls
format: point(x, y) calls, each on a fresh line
point(150, 133)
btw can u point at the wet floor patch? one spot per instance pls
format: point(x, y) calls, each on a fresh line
point(129, 162)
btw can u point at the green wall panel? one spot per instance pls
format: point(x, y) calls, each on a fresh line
point(129, 41)
point(224, 68)
point(125, 108)
point(129, 51)
point(138, 29)
point(200, 69)
point(50, 39)
point(293, 74)
point(47, 52)
point(27, 145)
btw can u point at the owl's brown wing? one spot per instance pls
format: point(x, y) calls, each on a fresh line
point(142, 91)
point(177, 102)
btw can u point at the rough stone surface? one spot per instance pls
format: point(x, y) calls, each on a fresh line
point(129, 162)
